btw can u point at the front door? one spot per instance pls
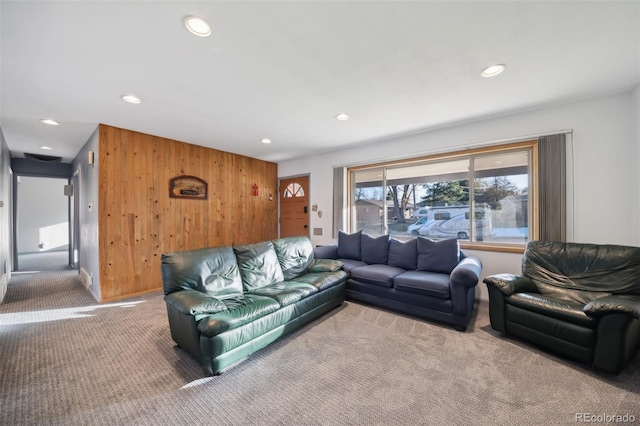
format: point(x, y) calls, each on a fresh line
point(294, 207)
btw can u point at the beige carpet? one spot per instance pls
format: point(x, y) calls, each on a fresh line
point(67, 360)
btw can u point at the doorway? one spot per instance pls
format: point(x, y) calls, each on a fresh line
point(41, 224)
point(294, 207)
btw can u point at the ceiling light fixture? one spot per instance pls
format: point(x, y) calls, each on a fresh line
point(197, 26)
point(493, 70)
point(265, 140)
point(49, 121)
point(342, 117)
point(131, 99)
point(48, 148)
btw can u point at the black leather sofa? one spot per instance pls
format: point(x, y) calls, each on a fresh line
point(432, 280)
point(224, 303)
point(578, 300)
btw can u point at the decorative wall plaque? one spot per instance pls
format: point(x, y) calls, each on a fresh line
point(188, 187)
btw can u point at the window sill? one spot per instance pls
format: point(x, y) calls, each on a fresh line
point(519, 249)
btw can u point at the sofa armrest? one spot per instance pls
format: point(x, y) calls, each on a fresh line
point(194, 302)
point(325, 265)
point(615, 304)
point(326, 252)
point(509, 284)
point(467, 272)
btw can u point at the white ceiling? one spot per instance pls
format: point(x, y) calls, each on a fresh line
point(284, 69)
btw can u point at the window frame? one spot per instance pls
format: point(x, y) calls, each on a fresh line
point(531, 146)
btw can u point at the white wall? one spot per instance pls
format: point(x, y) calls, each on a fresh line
point(88, 253)
point(605, 152)
point(43, 214)
point(635, 99)
point(5, 216)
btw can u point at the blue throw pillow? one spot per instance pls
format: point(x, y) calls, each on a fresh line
point(438, 256)
point(403, 255)
point(349, 245)
point(374, 250)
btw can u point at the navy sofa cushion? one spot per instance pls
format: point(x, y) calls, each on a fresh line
point(349, 264)
point(403, 255)
point(381, 275)
point(438, 256)
point(432, 284)
point(349, 245)
point(374, 250)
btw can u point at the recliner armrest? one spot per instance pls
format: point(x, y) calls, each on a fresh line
point(467, 272)
point(326, 252)
point(614, 304)
point(509, 284)
point(194, 302)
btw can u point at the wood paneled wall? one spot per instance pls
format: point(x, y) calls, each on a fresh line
point(138, 221)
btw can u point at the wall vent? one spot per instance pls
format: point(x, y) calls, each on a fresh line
point(40, 157)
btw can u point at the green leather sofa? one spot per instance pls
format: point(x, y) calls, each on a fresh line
point(225, 303)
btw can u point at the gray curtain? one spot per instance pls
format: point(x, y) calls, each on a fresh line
point(338, 200)
point(552, 184)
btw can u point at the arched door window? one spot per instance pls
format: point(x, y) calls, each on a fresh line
point(293, 190)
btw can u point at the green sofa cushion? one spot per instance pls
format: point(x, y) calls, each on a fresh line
point(321, 280)
point(213, 271)
point(295, 254)
point(240, 311)
point(286, 292)
point(258, 264)
point(194, 302)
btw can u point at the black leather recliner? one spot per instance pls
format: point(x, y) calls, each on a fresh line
point(579, 300)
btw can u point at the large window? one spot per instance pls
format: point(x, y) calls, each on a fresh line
point(481, 197)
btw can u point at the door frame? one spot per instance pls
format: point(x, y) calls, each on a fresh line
point(280, 179)
point(14, 211)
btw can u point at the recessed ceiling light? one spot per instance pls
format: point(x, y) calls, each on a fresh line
point(493, 70)
point(49, 121)
point(342, 117)
point(131, 99)
point(265, 140)
point(197, 26)
point(48, 148)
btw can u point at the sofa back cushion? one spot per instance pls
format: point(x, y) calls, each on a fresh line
point(438, 256)
point(349, 245)
point(210, 270)
point(258, 264)
point(295, 255)
point(374, 250)
point(582, 272)
point(403, 254)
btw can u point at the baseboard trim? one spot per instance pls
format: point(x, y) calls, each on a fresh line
point(3, 287)
point(86, 278)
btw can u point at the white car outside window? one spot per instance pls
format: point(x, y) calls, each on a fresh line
point(413, 229)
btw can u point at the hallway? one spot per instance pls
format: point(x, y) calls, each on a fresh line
point(45, 261)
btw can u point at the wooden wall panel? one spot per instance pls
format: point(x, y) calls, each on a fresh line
point(138, 221)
